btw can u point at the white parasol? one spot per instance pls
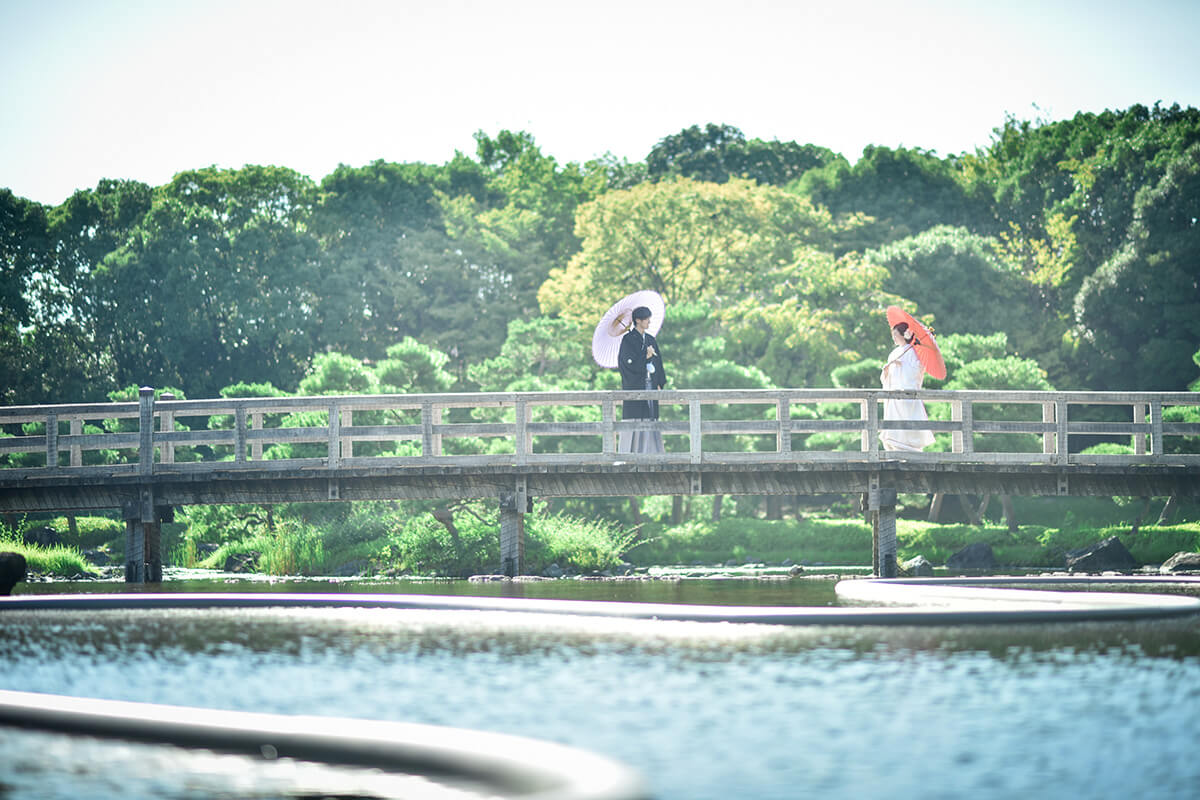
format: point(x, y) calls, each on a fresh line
point(618, 320)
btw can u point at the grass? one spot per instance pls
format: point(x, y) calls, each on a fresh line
point(400, 539)
point(64, 561)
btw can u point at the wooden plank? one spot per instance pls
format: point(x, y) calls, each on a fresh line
point(334, 447)
point(239, 439)
point(1156, 428)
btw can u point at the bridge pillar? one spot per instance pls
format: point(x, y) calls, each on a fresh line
point(143, 541)
point(512, 532)
point(882, 505)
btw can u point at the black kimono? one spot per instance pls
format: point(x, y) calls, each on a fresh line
point(632, 363)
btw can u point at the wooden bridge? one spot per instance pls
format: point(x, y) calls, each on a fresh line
point(150, 456)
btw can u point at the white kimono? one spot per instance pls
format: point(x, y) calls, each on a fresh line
point(903, 370)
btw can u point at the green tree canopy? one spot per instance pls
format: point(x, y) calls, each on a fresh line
point(686, 240)
point(1089, 168)
point(215, 283)
point(524, 225)
point(338, 373)
point(904, 191)
point(960, 279)
point(716, 153)
point(553, 351)
point(1140, 312)
point(413, 368)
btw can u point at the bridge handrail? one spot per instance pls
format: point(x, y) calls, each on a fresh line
point(420, 418)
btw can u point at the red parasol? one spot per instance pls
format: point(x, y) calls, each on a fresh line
point(925, 346)
point(618, 321)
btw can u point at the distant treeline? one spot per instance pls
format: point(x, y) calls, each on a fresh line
point(1064, 254)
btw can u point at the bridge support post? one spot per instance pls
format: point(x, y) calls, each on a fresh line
point(512, 531)
point(882, 505)
point(143, 541)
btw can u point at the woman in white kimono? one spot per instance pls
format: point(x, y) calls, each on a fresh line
point(903, 371)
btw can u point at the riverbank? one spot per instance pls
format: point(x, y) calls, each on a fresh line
point(557, 546)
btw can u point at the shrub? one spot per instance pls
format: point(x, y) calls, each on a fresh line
point(292, 548)
point(585, 545)
point(829, 541)
point(62, 561)
point(421, 545)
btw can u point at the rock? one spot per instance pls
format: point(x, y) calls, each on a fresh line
point(917, 567)
point(553, 571)
point(488, 578)
point(1109, 554)
point(243, 562)
point(42, 537)
point(352, 568)
point(12, 571)
point(975, 556)
point(98, 557)
point(1181, 562)
point(795, 569)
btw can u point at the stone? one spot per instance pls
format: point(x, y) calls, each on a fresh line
point(12, 571)
point(795, 570)
point(42, 537)
point(243, 562)
point(553, 571)
point(1181, 562)
point(917, 567)
point(1108, 554)
point(98, 557)
point(975, 556)
point(351, 569)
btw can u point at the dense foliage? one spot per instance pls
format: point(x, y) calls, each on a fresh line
point(1067, 236)
point(1064, 254)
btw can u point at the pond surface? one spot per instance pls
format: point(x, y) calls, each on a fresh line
point(702, 710)
point(746, 590)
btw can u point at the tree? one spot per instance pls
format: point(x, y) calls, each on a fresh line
point(214, 284)
point(904, 191)
point(23, 254)
point(48, 350)
point(545, 348)
point(338, 373)
point(1089, 168)
point(413, 368)
point(717, 153)
point(683, 238)
point(818, 313)
point(959, 279)
point(1140, 312)
point(383, 249)
point(524, 225)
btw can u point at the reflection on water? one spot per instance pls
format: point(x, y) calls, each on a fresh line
point(703, 710)
point(734, 591)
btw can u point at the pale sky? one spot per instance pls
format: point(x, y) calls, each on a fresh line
point(143, 90)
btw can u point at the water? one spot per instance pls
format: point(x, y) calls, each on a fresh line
point(1098, 710)
point(778, 590)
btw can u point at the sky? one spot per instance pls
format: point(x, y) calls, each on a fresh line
point(93, 89)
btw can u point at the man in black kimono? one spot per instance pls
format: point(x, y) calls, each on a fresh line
point(641, 367)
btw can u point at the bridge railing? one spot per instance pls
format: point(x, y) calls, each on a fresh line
point(155, 436)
